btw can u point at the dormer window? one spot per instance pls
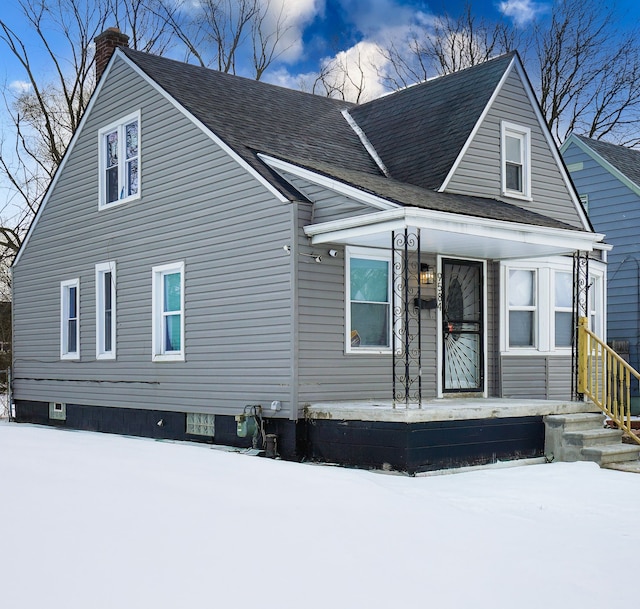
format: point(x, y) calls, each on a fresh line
point(516, 161)
point(120, 161)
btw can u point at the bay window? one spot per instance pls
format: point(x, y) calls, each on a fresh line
point(537, 304)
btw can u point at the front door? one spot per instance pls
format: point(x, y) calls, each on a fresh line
point(462, 326)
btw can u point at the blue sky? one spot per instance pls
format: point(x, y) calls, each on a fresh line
point(324, 27)
point(321, 30)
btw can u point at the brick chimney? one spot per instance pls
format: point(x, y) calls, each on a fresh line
point(106, 44)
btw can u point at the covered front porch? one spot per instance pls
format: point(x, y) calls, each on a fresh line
point(446, 332)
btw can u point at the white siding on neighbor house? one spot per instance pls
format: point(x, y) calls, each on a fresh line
point(197, 206)
point(479, 172)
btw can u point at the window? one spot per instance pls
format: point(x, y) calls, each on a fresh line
point(537, 308)
point(522, 307)
point(119, 146)
point(106, 310)
point(516, 161)
point(70, 319)
point(57, 411)
point(168, 312)
point(563, 310)
point(200, 424)
point(584, 199)
point(368, 313)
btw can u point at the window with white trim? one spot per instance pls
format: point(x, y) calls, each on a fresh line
point(563, 308)
point(119, 146)
point(516, 160)
point(106, 310)
point(522, 294)
point(537, 305)
point(368, 300)
point(70, 319)
point(168, 312)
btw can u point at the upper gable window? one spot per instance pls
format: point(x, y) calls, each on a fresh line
point(119, 145)
point(516, 161)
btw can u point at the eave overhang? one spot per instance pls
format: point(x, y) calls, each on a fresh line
point(450, 234)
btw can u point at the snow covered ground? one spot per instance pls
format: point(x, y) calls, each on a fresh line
point(96, 521)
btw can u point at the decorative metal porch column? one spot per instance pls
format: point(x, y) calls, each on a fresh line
point(580, 309)
point(407, 325)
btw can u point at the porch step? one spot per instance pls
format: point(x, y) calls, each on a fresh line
point(583, 437)
point(626, 466)
point(576, 422)
point(593, 437)
point(612, 453)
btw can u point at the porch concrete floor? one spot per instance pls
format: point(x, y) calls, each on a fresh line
point(444, 409)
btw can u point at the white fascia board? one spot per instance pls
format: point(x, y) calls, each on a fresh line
point(476, 127)
point(612, 169)
point(552, 146)
point(232, 153)
point(331, 183)
point(67, 154)
point(453, 223)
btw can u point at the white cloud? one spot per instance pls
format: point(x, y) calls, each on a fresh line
point(19, 86)
point(294, 16)
point(521, 11)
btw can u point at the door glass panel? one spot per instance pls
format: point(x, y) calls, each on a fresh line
point(462, 331)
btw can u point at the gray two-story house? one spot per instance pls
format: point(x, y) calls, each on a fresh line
point(385, 283)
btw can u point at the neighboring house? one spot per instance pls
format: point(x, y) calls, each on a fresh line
point(213, 247)
point(607, 179)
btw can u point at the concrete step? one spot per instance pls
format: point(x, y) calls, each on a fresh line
point(611, 453)
point(626, 466)
point(576, 422)
point(592, 437)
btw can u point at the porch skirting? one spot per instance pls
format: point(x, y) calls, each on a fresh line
point(442, 434)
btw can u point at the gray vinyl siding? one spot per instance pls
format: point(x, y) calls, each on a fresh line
point(614, 209)
point(536, 377)
point(198, 206)
point(325, 371)
point(328, 205)
point(479, 170)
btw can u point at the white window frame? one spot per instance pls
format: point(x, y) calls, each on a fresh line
point(65, 290)
point(101, 351)
point(158, 273)
point(557, 309)
point(370, 254)
point(533, 308)
point(544, 330)
point(524, 135)
point(118, 126)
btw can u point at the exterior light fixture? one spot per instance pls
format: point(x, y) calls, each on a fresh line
point(427, 275)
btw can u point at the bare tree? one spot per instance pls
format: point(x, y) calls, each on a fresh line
point(227, 33)
point(588, 72)
point(342, 77)
point(449, 44)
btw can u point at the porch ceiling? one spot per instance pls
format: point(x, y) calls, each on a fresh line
point(454, 235)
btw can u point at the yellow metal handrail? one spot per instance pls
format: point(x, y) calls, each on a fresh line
point(605, 378)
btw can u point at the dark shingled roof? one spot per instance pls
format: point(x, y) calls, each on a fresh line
point(310, 131)
point(419, 131)
point(626, 160)
point(251, 116)
point(409, 195)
